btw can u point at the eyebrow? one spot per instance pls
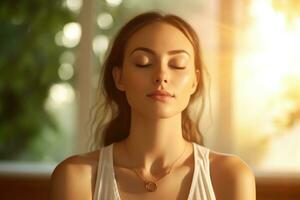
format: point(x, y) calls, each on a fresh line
point(153, 52)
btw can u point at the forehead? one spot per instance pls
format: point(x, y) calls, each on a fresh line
point(160, 37)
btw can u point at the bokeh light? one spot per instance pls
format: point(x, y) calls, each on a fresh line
point(74, 5)
point(100, 44)
point(61, 93)
point(65, 71)
point(105, 20)
point(71, 34)
point(59, 38)
point(113, 3)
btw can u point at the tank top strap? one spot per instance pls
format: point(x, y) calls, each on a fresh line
point(202, 189)
point(104, 187)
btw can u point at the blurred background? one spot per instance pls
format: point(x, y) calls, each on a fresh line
point(51, 54)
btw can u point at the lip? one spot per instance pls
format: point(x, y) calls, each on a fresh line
point(160, 93)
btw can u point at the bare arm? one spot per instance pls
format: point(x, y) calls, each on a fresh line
point(232, 179)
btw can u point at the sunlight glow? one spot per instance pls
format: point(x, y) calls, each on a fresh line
point(273, 54)
point(267, 68)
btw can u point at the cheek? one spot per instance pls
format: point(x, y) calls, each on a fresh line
point(183, 82)
point(135, 90)
point(134, 82)
point(183, 90)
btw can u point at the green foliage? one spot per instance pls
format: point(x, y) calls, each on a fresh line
point(29, 59)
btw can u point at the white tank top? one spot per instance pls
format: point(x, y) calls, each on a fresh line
point(201, 187)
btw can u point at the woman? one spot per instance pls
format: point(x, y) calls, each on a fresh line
point(151, 148)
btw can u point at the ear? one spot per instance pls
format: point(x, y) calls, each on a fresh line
point(195, 81)
point(117, 75)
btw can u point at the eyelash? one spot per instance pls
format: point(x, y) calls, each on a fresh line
point(139, 65)
point(179, 68)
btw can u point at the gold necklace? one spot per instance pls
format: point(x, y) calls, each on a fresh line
point(151, 186)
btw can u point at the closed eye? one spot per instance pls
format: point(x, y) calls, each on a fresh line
point(176, 67)
point(143, 65)
point(146, 65)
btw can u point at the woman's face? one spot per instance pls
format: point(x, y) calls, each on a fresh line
point(157, 57)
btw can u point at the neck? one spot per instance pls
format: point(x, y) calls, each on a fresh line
point(154, 144)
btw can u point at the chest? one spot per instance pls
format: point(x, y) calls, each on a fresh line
point(176, 185)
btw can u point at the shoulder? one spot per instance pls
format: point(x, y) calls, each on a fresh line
point(231, 177)
point(74, 177)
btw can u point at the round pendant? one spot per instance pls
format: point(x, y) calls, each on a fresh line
point(150, 186)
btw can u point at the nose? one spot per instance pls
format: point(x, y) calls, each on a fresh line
point(159, 81)
point(160, 76)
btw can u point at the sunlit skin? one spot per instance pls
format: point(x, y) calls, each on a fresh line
point(155, 138)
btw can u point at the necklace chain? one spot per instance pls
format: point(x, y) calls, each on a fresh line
point(151, 186)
